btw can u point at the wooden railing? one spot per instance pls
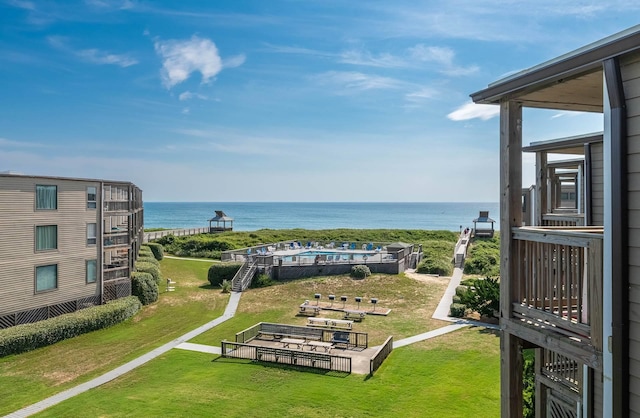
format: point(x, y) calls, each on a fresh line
point(381, 354)
point(242, 279)
point(558, 281)
point(563, 219)
point(149, 236)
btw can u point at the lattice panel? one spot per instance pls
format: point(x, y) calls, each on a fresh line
point(7, 321)
point(62, 308)
point(123, 288)
point(559, 408)
point(87, 302)
point(34, 315)
point(109, 291)
point(116, 289)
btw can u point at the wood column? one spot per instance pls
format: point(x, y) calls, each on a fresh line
point(541, 186)
point(510, 216)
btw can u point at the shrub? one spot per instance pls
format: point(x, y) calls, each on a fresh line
point(148, 259)
point(144, 286)
point(222, 271)
point(145, 250)
point(157, 250)
point(457, 310)
point(28, 337)
point(460, 290)
point(483, 297)
point(483, 257)
point(456, 299)
point(226, 286)
point(440, 267)
point(360, 271)
point(151, 269)
point(529, 387)
point(262, 280)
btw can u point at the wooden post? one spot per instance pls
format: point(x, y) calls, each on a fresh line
point(510, 217)
point(541, 186)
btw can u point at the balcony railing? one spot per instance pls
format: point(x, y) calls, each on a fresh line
point(116, 240)
point(558, 282)
point(563, 219)
point(112, 272)
point(116, 206)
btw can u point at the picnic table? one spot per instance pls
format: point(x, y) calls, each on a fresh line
point(355, 315)
point(307, 309)
point(313, 345)
point(299, 343)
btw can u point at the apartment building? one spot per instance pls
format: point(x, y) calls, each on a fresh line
point(65, 244)
point(570, 290)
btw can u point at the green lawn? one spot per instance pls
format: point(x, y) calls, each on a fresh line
point(456, 375)
point(453, 375)
point(31, 377)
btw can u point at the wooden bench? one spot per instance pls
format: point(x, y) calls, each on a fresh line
point(279, 335)
point(355, 315)
point(315, 344)
point(306, 309)
point(329, 323)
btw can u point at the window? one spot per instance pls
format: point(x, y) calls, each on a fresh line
point(46, 278)
point(91, 234)
point(92, 271)
point(91, 197)
point(46, 237)
point(46, 197)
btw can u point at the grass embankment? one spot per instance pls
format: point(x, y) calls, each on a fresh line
point(33, 376)
point(483, 257)
point(437, 245)
point(456, 375)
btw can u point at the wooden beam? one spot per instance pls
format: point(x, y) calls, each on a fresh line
point(510, 217)
point(541, 186)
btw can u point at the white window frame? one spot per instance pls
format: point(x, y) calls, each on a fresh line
point(92, 240)
point(92, 204)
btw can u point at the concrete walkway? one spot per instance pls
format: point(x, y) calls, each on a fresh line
point(229, 312)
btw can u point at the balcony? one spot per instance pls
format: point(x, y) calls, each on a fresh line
point(112, 241)
point(556, 291)
point(115, 271)
point(116, 206)
point(569, 218)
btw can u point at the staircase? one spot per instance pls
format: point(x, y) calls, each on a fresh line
point(242, 280)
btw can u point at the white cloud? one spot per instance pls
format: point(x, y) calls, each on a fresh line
point(234, 61)
point(351, 80)
point(22, 4)
point(473, 111)
point(421, 94)
point(181, 58)
point(93, 55)
point(359, 57)
point(187, 95)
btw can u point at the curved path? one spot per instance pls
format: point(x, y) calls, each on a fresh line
point(441, 312)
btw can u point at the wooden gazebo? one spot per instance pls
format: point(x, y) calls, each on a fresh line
point(484, 220)
point(220, 217)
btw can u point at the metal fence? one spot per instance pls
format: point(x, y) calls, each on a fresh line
point(286, 356)
point(380, 355)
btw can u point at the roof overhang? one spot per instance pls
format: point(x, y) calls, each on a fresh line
point(568, 145)
point(570, 82)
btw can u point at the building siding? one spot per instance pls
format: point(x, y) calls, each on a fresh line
point(597, 184)
point(630, 71)
point(18, 257)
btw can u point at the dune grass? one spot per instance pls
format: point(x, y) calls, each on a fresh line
point(33, 376)
point(456, 375)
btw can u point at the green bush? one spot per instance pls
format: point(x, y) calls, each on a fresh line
point(148, 259)
point(157, 250)
point(28, 337)
point(360, 271)
point(151, 269)
point(226, 286)
point(262, 280)
point(145, 250)
point(456, 299)
point(529, 386)
point(461, 290)
point(483, 297)
point(222, 271)
point(440, 267)
point(483, 257)
point(144, 286)
point(457, 310)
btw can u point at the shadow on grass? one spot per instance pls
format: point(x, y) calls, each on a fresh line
point(280, 366)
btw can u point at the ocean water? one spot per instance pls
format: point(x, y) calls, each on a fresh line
point(251, 216)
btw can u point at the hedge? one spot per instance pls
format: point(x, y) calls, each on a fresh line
point(27, 337)
point(457, 310)
point(144, 286)
point(222, 271)
point(148, 259)
point(440, 267)
point(157, 250)
point(149, 268)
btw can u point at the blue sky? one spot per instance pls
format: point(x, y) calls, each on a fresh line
point(280, 100)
